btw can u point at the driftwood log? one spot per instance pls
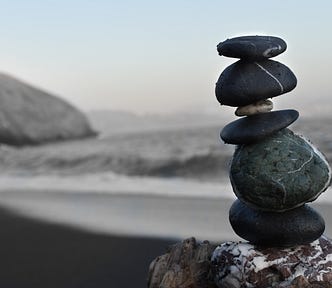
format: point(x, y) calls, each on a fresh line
point(187, 265)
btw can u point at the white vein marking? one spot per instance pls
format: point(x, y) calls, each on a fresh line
point(305, 163)
point(275, 78)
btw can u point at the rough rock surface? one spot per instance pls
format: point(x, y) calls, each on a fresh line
point(279, 173)
point(186, 265)
point(244, 83)
point(298, 226)
point(238, 265)
point(31, 116)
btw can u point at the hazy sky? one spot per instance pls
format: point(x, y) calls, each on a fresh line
point(156, 56)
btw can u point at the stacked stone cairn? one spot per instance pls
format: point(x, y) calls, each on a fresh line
point(274, 173)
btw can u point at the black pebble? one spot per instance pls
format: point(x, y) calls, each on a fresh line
point(252, 47)
point(253, 128)
point(298, 226)
point(244, 82)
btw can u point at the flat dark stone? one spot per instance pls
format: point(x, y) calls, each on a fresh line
point(244, 82)
point(298, 226)
point(279, 173)
point(253, 128)
point(252, 47)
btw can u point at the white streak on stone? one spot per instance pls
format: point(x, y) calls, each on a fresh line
point(272, 76)
point(305, 163)
point(266, 53)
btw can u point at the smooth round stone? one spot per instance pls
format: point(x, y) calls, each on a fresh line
point(253, 128)
point(244, 83)
point(279, 173)
point(298, 226)
point(252, 47)
point(238, 265)
point(261, 106)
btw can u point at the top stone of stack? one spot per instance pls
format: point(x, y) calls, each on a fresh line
point(254, 77)
point(252, 47)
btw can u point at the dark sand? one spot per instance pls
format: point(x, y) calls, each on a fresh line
point(37, 254)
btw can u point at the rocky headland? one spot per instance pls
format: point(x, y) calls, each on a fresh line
point(30, 116)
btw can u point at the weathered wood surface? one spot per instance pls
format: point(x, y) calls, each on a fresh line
point(186, 265)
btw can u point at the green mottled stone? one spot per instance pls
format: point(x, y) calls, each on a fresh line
point(279, 173)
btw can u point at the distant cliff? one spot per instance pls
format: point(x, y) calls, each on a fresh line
point(31, 116)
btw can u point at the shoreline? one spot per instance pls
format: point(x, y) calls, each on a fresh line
point(126, 215)
point(74, 240)
point(135, 215)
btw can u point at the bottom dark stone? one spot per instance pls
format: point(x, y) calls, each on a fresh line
point(298, 226)
point(238, 265)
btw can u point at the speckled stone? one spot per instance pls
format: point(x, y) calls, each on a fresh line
point(239, 265)
point(298, 226)
point(256, 127)
point(279, 173)
point(252, 47)
point(261, 106)
point(244, 83)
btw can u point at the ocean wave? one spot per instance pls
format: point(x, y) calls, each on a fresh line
point(190, 153)
point(86, 157)
point(202, 166)
point(206, 165)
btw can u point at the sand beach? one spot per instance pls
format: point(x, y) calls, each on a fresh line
point(97, 240)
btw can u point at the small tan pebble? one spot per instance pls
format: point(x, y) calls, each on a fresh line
point(255, 108)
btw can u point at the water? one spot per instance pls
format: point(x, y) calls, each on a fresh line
point(165, 183)
point(190, 162)
point(157, 162)
point(161, 183)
